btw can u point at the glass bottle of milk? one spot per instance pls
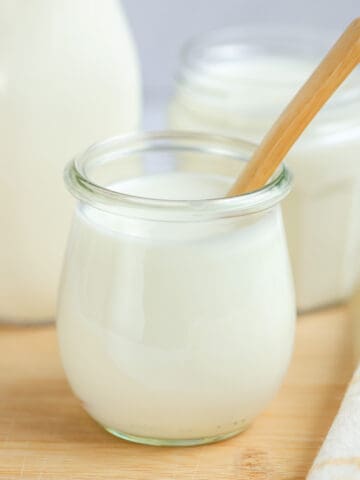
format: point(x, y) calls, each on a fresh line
point(68, 77)
point(236, 82)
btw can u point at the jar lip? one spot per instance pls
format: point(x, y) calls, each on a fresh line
point(104, 198)
point(255, 33)
point(309, 43)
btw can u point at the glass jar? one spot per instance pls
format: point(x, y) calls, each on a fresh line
point(236, 82)
point(176, 312)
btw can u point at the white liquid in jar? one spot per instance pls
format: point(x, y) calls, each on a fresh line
point(322, 214)
point(68, 77)
point(176, 330)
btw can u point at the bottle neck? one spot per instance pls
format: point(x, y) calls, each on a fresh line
point(19, 10)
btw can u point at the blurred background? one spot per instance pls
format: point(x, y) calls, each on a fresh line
point(161, 27)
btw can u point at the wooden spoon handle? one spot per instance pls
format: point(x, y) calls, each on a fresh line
point(332, 71)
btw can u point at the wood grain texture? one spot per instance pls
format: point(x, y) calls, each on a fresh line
point(45, 435)
point(341, 60)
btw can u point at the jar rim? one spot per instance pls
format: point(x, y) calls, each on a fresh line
point(104, 198)
point(313, 43)
point(256, 33)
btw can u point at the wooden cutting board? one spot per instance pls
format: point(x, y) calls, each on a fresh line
point(45, 435)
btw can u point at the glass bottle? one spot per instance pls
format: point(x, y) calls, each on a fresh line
point(68, 76)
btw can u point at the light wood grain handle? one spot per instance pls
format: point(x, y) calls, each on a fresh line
point(332, 71)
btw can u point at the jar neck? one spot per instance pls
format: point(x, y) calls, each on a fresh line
point(91, 176)
point(246, 81)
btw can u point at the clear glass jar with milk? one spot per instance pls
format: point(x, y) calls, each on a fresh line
point(236, 82)
point(68, 76)
point(176, 311)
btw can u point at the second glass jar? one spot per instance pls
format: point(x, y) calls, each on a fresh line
point(236, 82)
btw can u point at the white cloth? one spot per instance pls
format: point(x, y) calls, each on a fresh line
point(339, 456)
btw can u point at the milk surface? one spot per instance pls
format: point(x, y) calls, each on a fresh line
point(322, 214)
point(176, 330)
point(68, 77)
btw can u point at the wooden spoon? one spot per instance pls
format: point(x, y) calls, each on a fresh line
point(328, 76)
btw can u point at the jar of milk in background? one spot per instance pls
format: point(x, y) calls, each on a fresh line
point(68, 76)
point(183, 300)
point(236, 82)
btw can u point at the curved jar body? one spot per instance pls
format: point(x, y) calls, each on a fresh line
point(176, 315)
point(236, 82)
point(68, 76)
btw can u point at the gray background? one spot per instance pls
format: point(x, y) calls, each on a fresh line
point(161, 26)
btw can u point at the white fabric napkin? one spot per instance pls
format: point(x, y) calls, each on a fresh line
point(339, 456)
